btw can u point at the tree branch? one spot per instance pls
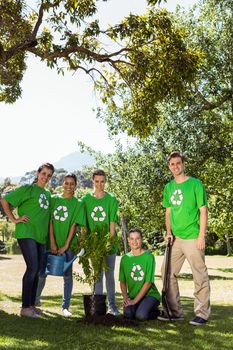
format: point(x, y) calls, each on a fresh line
point(79, 49)
point(87, 71)
point(31, 41)
point(209, 106)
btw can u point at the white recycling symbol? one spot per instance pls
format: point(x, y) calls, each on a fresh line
point(43, 201)
point(137, 273)
point(61, 213)
point(177, 197)
point(98, 213)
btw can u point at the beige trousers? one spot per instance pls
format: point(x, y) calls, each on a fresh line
point(186, 249)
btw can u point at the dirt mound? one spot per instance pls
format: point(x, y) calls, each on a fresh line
point(109, 321)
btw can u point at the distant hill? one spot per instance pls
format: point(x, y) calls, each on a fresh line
point(71, 162)
point(74, 161)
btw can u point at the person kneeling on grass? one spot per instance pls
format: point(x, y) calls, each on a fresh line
point(141, 297)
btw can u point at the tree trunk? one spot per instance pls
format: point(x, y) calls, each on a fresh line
point(124, 233)
point(229, 247)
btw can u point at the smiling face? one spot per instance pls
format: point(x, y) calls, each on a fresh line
point(135, 241)
point(99, 182)
point(176, 166)
point(44, 176)
point(69, 185)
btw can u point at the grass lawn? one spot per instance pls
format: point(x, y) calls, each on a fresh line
point(52, 331)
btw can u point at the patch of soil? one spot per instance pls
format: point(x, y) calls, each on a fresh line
point(109, 321)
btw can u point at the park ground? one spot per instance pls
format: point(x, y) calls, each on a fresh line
point(52, 331)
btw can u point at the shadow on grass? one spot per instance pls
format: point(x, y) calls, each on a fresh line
point(52, 331)
point(221, 269)
point(2, 257)
point(189, 277)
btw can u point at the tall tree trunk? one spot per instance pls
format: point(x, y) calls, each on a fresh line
point(124, 233)
point(228, 243)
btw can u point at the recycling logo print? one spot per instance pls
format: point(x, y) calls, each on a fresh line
point(61, 213)
point(137, 273)
point(43, 201)
point(98, 214)
point(177, 197)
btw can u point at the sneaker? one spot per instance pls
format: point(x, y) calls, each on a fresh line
point(198, 321)
point(66, 313)
point(37, 310)
point(28, 312)
point(164, 317)
point(114, 312)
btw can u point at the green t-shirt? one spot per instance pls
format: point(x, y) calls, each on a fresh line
point(34, 202)
point(64, 213)
point(135, 271)
point(100, 212)
point(185, 199)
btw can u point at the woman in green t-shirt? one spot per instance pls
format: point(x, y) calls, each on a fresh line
point(140, 295)
point(31, 230)
point(66, 213)
point(101, 214)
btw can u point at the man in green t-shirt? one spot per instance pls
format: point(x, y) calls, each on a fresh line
point(140, 295)
point(101, 214)
point(186, 220)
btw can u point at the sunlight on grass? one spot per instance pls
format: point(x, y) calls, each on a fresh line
point(54, 332)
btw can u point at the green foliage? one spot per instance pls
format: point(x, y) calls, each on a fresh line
point(6, 229)
point(144, 58)
point(136, 177)
point(162, 66)
point(200, 125)
point(14, 29)
point(97, 245)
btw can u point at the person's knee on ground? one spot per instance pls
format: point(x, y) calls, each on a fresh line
point(141, 316)
point(128, 312)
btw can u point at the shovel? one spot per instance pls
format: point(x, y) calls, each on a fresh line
point(166, 278)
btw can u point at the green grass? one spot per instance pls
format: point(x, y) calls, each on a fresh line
point(52, 331)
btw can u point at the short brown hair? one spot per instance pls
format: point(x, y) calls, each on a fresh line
point(175, 154)
point(98, 172)
point(135, 229)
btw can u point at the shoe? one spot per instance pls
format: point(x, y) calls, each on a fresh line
point(28, 312)
point(37, 310)
point(114, 312)
point(164, 317)
point(198, 321)
point(66, 313)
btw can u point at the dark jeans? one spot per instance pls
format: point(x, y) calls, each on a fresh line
point(145, 309)
point(33, 255)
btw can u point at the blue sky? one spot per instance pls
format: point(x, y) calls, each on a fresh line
point(55, 112)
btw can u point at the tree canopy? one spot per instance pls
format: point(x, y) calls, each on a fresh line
point(144, 57)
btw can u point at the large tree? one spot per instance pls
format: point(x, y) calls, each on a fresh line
point(144, 57)
point(206, 27)
point(200, 125)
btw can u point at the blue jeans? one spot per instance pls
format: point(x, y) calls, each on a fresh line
point(68, 281)
point(146, 308)
point(33, 253)
point(110, 281)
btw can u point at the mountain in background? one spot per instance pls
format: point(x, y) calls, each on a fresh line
point(74, 161)
point(71, 162)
